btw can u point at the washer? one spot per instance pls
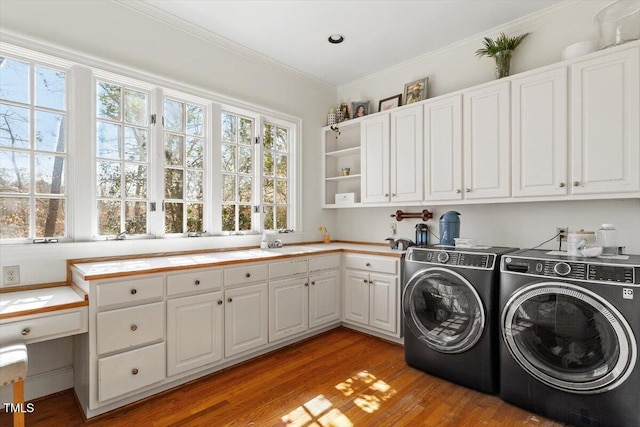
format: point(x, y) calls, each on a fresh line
point(570, 328)
point(449, 309)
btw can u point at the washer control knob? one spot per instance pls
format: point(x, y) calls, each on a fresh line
point(562, 269)
point(443, 257)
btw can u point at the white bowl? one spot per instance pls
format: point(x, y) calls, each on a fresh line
point(591, 252)
point(579, 49)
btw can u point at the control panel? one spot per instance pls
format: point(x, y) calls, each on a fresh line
point(571, 270)
point(461, 259)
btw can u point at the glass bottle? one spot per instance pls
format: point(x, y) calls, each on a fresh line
point(608, 239)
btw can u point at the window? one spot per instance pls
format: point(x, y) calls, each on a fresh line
point(122, 158)
point(275, 177)
point(33, 150)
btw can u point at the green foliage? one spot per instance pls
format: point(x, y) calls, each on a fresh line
point(491, 47)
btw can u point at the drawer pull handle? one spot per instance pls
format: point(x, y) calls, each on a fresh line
point(197, 282)
point(134, 371)
point(248, 275)
point(229, 300)
point(26, 331)
point(134, 328)
point(134, 291)
point(368, 264)
point(219, 302)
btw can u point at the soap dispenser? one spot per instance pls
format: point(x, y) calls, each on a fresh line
point(264, 243)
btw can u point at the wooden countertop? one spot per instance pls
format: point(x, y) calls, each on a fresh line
point(25, 301)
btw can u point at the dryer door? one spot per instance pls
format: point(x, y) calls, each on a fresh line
point(568, 337)
point(443, 310)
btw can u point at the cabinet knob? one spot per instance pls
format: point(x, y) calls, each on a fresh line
point(134, 328)
point(393, 194)
point(247, 275)
point(458, 191)
point(370, 282)
point(313, 283)
point(467, 190)
point(197, 282)
point(561, 185)
point(368, 264)
point(306, 283)
point(219, 302)
point(134, 291)
point(26, 331)
point(576, 183)
point(386, 194)
point(366, 281)
point(229, 299)
point(134, 371)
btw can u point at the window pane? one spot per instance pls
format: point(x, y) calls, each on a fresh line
point(228, 158)
point(244, 218)
point(281, 166)
point(14, 80)
point(281, 140)
point(109, 179)
point(228, 217)
point(281, 217)
point(135, 181)
point(109, 101)
point(244, 189)
point(229, 188)
point(14, 216)
point(50, 132)
point(109, 217)
point(268, 191)
point(173, 149)
point(14, 172)
point(246, 131)
point(173, 217)
point(173, 183)
point(50, 216)
point(135, 144)
point(135, 107)
point(50, 88)
point(49, 174)
point(268, 136)
point(108, 140)
point(194, 185)
point(136, 217)
point(267, 169)
point(228, 128)
point(173, 116)
point(268, 217)
point(245, 160)
point(14, 126)
point(195, 152)
point(281, 191)
point(194, 217)
point(195, 120)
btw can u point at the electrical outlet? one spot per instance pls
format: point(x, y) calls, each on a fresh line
point(562, 233)
point(392, 228)
point(11, 275)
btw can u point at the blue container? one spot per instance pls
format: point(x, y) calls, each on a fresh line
point(449, 228)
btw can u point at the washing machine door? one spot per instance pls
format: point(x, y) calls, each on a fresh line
point(568, 337)
point(443, 310)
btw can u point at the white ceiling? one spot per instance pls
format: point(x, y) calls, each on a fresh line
point(378, 34)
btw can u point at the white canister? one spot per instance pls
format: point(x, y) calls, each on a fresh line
point(576, 240)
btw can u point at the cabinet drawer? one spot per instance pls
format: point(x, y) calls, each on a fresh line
point(204, 280)
point(245, 274)
point(129, 291)
point(45, 327)
point(126, 372)
point(130, 327)
point(288, 268)
point(372, 263)
point(324, 262)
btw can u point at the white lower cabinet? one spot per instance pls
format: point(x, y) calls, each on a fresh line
point(246, 318)
point(288, 307)
point(324, 298)
point(194, 332)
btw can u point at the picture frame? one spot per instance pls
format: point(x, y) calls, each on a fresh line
point(416, 91)
point(359, 109)
point(389, 103)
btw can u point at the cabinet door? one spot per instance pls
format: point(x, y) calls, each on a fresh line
point(288, 307)
point(375, 159)
point(443, 149)
point(383, 299)
point(194, 332)
point(356, 296)
point(539, 134)
point(605, 138)
point(246, 318)
point(487, 156)
point(406, 155)
point(324, 298)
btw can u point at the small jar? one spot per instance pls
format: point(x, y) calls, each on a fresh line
point(608, 239)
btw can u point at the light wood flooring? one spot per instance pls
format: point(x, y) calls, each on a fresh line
point(340, 378)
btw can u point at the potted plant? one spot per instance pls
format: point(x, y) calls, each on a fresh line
point(501, 49)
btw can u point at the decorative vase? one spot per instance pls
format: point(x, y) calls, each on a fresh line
point(327, 238)
point(331, 118)
point(503, 62)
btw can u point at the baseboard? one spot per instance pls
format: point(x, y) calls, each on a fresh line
point(43, 384)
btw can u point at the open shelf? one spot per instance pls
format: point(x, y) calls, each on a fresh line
point(343, 177)
point(346, 152)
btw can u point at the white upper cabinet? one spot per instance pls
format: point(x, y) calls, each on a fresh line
point(486, 142)
point(605, 115)
point(443, 149)
point(375, 159)
point(539, 133)
point(406, 155)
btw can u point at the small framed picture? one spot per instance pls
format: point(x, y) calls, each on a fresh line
point(415, 91)
point(389, 103)
point(359, 108)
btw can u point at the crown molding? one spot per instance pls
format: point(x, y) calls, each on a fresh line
point(224, 43)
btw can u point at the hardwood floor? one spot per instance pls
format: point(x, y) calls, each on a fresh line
point(340, 378)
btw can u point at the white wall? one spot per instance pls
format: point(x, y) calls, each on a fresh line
point(456, 67)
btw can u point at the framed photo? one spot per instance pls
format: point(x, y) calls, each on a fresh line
point(415, 91)
point(389, 103)
point(359, 109)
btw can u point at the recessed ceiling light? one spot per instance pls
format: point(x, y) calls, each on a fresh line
point(336, 38)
